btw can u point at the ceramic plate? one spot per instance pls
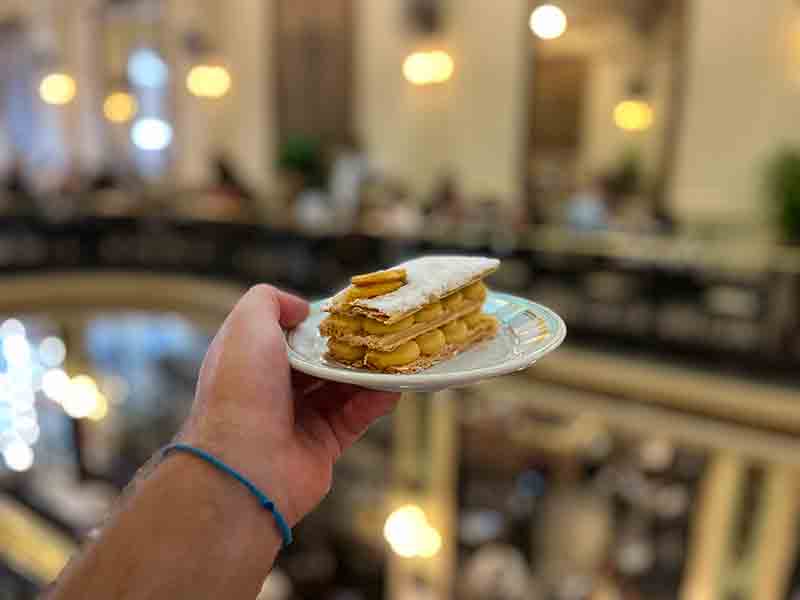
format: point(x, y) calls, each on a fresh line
point(528, 331)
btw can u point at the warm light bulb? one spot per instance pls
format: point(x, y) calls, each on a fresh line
point(409, 534)
point(442, 66)
point(82, 398)
point(120, 107)
point(417, 68)
point(100, 408)
point(403, 529)
point(430, 542)
point(633, 115)
point(424, 68)
point(208, 81)
point(548, 22)
point(84, 382)
point(57, 88)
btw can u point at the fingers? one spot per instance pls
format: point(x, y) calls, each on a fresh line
point(367, 406)
point(359, 412)
point(349, 410)
point(303, 383)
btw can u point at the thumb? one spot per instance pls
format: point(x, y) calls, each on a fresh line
point(287, 309)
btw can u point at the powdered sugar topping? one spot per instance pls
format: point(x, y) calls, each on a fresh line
point(429, 278)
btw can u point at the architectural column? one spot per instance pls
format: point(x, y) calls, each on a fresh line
point(193, 117)
point(83, 56)
point(488, 104)
point(774, 548)
point(713, 528)
point(246, 127)
point(425, 472)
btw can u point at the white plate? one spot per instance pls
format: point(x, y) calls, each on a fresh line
point(528, 331)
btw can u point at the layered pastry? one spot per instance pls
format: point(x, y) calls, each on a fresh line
point(410, 317)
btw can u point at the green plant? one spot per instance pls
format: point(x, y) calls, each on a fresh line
point(303, 155)
point(783, 183)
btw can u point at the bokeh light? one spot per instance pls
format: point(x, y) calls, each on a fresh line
point(147, 69)
point(18, 456)
point(548, 22)
point(16, 350)
point(27, 428)
point(409, 534)
point(100, 408)
point(52, 352)
point(208, 81)
point(56, 384)
point(19, 424)
point(403, 528)
point(120, 107)
point(443, 66)
point(11, 327)
point(81, 398)
point(425, 68)
point(22, 397)
point(633, 115)
point(151, 134)
point(57, 88)
point(430, 542)
point(417, 68)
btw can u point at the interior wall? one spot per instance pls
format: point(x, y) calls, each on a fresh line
point(613, 63)
point(401, 126)
point(741, 106)
point(471, 126)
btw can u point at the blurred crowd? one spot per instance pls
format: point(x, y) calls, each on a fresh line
point(339, 190)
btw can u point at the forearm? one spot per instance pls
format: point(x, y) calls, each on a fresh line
point(189, 531)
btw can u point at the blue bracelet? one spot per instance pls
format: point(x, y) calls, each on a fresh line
point(263, 500)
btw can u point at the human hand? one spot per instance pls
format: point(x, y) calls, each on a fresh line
point(282, 429)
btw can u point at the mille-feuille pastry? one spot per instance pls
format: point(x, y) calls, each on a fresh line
point(410, 317)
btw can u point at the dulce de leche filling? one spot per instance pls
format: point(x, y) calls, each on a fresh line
point(431, 343)
point(343, 351)
point(403, 355)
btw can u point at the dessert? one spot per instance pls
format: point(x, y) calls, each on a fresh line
point(410, 317)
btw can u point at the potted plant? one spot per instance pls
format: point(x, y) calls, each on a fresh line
point(301, 156)
point(783, 184)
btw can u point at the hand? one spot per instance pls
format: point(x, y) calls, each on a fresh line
point(282, 429)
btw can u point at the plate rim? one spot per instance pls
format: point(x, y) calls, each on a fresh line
point(439, 380)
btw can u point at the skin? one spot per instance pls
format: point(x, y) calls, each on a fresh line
point(189, 531)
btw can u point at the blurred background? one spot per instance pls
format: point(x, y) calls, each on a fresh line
point(636, 165)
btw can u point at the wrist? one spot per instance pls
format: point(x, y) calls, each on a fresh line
point(220, 496)
point(254, 465)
